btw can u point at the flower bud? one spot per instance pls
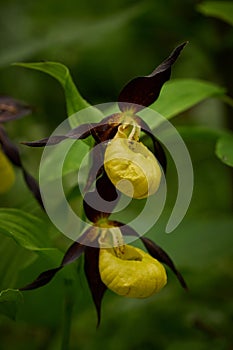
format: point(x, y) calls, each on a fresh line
point(130, 161)
point(131, 272)
point(7, 175)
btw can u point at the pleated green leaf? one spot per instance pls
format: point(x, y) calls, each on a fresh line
point(28, 231)
point(178, 95)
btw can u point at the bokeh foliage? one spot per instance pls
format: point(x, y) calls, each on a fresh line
point(104, 45)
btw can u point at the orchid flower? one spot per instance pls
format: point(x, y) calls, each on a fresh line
point(109, 261)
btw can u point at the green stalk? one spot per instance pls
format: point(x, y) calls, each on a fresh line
point(67, 314)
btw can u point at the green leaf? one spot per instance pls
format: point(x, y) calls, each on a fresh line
point(179, 95)
point(13, 260)
point(224, 149)
point(219, 9)
point(200, 132)
point(28, 231)
point(10, 301)
point(74, 101)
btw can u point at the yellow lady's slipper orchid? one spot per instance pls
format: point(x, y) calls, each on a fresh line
point(108, 262)
point(127, 160)
point(7, 175)
point(131, 272)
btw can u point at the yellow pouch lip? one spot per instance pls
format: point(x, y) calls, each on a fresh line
point(127, 160)
point(133, 273)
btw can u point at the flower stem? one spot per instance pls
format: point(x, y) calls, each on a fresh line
point(67, 314)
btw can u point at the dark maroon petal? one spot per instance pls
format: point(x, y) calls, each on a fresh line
point(12, 109)
point(33, 186)
point(101, 132)
point(72, 254)
point(125, 229)
point(153, 249)
point(91, 212)
point(97, 161)
point(97, 287)
point(44, 278)
point(48, 141)
point(159, 254)
point(104, 190)
point(143, 91)
point(158, 149)
point(107, 128)
point(80, 132)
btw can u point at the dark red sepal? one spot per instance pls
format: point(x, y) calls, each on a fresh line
point(97, 287)
point(72, 254)
point(159, 254)
point(141, 92)
point(101, 132)
point(158, 149)
point(80, 132)
point(105, 194)
point(154, 250)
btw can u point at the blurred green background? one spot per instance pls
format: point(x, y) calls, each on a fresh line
point(105, 44)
